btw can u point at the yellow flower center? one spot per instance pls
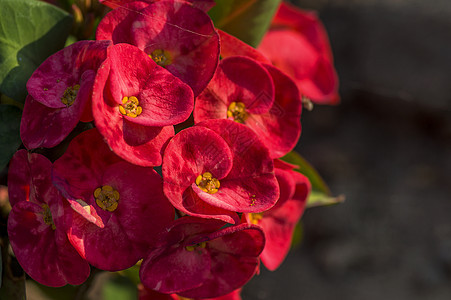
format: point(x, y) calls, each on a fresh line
point(255, 218)
point(47, 216)
point(193, 247)
point(207, 183)
point(70, 94)
point(161, 57)
point(130, 107)
point(106, 198)
point(237, 110)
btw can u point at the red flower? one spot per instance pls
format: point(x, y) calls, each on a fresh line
point(36, 226)
point(205, 5)
point(178, 36)
point(232, 46)
point(197, 260)
point(297, 43)
point(147, 294)
point(135, 104)
point(243, 90)
point(60, 94)
point(120, 207)
point(217, 168)
point(278, 223)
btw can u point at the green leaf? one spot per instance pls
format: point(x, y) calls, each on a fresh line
point(9, 132)
point(65, 292)
point(320, 194)
point(30, 31)
point(248, 20)
point(297, 237)
point(320, 199)
point(119, 287)
point(132, 274)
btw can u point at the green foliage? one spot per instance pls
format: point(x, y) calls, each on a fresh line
point(132, 274)
point(9, 132)
point(248, 20)
point(30, 31)
point(320, 194)
point(298, 235)
point(65, 292)
point(119, 287)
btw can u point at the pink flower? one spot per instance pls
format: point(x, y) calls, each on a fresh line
point(217, 168)
point(297, 43)
point(197, 260)
point(243, 90)
point(60, 94)
point(120, 207)
point(36, 226)
point(178, 36)
point(135, 104)
point(278, 223)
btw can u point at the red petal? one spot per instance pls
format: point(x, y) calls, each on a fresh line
point(64, 69)
point(79, 171)
point(29, 178)
point(234, 252)
point(44, 253)
point(237, 79)
point(250, 185)
point(42, 126)
point(191, 153)
point(186, 32)
point(279, 129)
point(141, 145)
point(279, 222)
point(143, 210)
point(232, 46)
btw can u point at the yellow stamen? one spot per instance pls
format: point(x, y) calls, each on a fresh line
point(130, 107)
point(255, 218)
point(237, 111)
point(162, 57)
point(47, 216)
point(193, 247)
point(70, 94)
point(207, 183)
point(107, 198)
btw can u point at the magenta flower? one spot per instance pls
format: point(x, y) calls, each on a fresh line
point(297, 43)
point(278, 223)
point(60, 94)
point(36, 226)
point(197, 260)
point(120, 207)
point(217, 168)
point(135, 104)
point(243, 90)
point(176, 35)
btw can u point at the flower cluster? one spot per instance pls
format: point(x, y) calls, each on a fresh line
point(222, 200)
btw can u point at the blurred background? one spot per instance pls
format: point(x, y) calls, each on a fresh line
point(387, 147)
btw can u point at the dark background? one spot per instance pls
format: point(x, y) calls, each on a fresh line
point(387, 147)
